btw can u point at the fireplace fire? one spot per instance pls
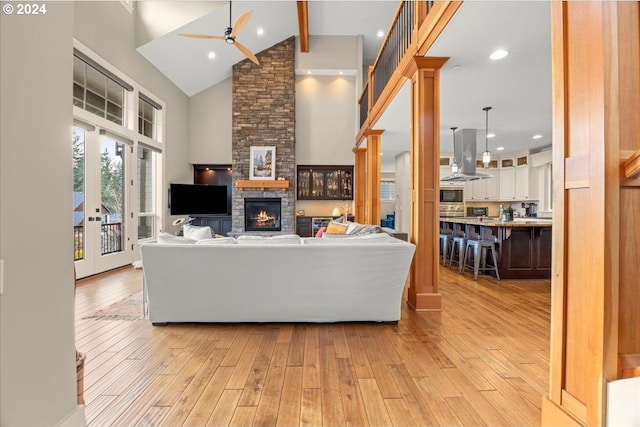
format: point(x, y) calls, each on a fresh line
point(262, 214)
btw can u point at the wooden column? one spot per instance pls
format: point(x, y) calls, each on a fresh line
point(360, 184)
point(424, 73)
point(372, 211)
point(596, 235)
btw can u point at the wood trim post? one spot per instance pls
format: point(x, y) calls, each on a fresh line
point(360, 186)
point(373, 176)
point(596, 111)
point(424, 293)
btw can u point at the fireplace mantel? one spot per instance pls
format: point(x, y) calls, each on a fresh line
point(253, 183)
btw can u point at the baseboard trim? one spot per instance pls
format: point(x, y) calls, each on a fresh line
point(76, 418)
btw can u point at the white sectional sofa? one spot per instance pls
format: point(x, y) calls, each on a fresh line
point(279, 279)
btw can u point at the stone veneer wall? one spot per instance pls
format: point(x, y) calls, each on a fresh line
point(264, 114)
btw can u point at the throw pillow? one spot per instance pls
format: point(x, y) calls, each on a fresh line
point(170, 238)
point(197, 233)
point(336, 228)
point(321, 231)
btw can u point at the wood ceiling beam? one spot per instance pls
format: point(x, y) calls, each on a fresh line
point(303, 25)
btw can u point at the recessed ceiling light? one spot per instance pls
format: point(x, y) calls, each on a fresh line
point(498, 54)
point(499, 148)
point(536, 136)
point(491, 135)
point(340, 73)
point(380, 33)
point(309, 72)
point(260, 31)
point(211, 55)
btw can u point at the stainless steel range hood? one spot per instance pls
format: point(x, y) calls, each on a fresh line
point(465, 155)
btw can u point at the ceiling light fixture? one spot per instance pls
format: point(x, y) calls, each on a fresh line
point(380, 33)
point(454, 165)
point(260, 31)
point(499, 148)
point(491, 135)
point(498, 54)
point(212, 55)
point(537, 136)
point(486, 156)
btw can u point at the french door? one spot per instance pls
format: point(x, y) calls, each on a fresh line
point(100, 222)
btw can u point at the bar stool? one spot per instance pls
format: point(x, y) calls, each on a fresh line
point(478, 247)
point(459, 242)
point(446, 237)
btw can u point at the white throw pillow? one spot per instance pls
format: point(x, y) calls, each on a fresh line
point(197, 233)
point(218, 241)
point(171, 239)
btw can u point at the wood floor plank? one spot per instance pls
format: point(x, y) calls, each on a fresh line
point(269, 404)
point(291, 400)
point(374, 403)
point(225, 409)
point(355, 413)
point(482, 360)
point(311, 409)
point(209, 398)
point(254, 385)
point(311, 363)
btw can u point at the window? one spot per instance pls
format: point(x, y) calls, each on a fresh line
point(146, 193)
point(147, 112)
point(97, 90)
point(387, 191)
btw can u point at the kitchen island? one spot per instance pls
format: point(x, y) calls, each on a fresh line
point(523, 245)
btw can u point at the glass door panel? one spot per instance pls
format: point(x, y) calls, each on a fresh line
point(99, 203)
point(332, 187)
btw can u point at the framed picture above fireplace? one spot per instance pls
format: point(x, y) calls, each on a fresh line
point(262, 164)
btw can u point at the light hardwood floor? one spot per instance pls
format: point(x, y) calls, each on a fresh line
point(483, 360)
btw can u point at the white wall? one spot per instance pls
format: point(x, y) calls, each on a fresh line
point(403, 190)
point(95, 26)
point(37, 348)
point(325, 120)
point(210, 125)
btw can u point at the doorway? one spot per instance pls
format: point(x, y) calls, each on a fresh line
point(100, 226)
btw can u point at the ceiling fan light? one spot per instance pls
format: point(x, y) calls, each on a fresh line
point(230, 40)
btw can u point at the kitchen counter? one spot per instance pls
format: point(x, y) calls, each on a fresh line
point(494, 222)
point(523, 245)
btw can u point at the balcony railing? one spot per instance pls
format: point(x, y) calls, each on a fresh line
point(395, 46)
point(110, 240)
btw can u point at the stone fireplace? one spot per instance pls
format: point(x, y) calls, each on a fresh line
point(263, 114)
point(262, 214)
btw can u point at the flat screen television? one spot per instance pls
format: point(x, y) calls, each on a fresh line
point(197, 199)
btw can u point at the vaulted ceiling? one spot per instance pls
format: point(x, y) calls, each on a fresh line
point(518, 87)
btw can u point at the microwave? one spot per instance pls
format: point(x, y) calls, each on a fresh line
point(451, 195)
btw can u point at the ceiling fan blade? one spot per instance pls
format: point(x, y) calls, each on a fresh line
point(246, 52)
point(240, 23)
point(202, 36)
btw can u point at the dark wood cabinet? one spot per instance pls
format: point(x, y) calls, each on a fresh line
point(303, 226)
point(526, 253)
point(325, 183)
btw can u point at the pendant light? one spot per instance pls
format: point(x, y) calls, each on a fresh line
point(454, 165)
point(486, 156)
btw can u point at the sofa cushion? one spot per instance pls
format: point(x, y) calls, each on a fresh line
point(284, 239)
point(197, 233)
point(217, 241)
point(171, 239)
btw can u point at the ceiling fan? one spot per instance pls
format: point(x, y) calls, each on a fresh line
point(230, 34)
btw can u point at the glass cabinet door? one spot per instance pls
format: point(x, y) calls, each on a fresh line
point(346, 183)
point(333, 187)
point(317, 181)
point(304, 184)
